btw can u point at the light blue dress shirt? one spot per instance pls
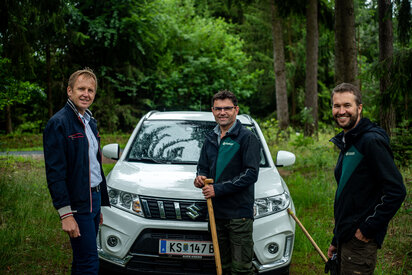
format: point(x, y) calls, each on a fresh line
point(95, 175)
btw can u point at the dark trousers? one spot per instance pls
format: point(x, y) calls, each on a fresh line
point(235, 245)
point(85, 257)
point(357, 257)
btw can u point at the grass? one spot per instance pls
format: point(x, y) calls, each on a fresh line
point(31, 238)
point(32, 242)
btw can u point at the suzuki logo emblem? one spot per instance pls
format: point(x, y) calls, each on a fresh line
point(193, 211)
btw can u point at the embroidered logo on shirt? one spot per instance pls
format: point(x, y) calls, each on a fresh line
point(227, 143)
point(350, 154)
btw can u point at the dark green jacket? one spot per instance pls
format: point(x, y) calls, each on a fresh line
point(234, 167)
point(370, 186)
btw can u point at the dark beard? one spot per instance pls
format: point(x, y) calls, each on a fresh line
point(351, 124)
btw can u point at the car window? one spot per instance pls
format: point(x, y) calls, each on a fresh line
point(170, 141)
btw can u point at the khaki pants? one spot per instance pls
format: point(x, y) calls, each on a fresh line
point(357, 257)
point(235, 245)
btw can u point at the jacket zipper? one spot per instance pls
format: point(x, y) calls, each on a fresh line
point(90, 188)
point(217, 155)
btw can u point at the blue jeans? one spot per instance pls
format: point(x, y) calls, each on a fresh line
point(85, 257)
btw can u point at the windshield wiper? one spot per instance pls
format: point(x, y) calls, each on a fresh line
point(145, 160)
point(183, 162)
point(158, 161)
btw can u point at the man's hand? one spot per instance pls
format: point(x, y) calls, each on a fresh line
point(360, 236)
point(208, 191)
point(70, 226)
point(199, 181)
point(101, 219)
point(331, 250)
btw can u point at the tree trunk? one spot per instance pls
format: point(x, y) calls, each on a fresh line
point(345, 43)
point(311, 81)
point(49, 89)
point(279, 67)
point(9, 128)
point(387, 112)
point(293, 90)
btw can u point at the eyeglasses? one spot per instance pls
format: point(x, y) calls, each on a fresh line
point(226, 108)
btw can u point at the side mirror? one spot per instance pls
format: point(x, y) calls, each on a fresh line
point(285, 158)
point(112, 151)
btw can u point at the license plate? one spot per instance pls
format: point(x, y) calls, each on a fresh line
point(184, 248)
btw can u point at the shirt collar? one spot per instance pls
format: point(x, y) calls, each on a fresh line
point(73, 107)
point(217, 129)
point(86, 118)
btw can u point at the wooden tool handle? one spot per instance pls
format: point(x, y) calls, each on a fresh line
point(208, 181)
point(213, 230)
point(307, 235)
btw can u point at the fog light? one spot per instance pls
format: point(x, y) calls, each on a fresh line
point(112, 241)
point(288, 246)
point(273, 248)
point(98, 240)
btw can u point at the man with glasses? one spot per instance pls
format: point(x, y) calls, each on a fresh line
point(230, 156)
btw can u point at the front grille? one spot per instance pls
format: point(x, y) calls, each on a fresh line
point(167, 209)
point(148, 244)
point(175, 266)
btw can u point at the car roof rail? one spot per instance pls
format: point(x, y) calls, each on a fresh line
point(151, 113)
point(248, 117)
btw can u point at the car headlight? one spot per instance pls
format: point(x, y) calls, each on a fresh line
point(126, 201)
point(271, 205)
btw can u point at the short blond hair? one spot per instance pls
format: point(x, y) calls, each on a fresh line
point(86, 71)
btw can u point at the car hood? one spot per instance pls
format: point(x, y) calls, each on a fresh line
point(176, 181)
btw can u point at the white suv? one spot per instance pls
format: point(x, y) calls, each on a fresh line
point(154, 202)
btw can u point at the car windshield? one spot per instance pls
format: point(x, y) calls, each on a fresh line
point(171, 141)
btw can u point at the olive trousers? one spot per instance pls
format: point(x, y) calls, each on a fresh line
point(236, 245)
point(357, 257)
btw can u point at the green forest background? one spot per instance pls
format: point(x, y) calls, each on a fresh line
point(175, 54)
point(281, 58)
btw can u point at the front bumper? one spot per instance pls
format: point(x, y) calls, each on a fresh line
point(131, 243)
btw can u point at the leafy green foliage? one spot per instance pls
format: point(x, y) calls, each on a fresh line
point(302, 141)
point(200, 58)
point(14, 91)
point(273, 135)
point(174, 55)
point(401, 143)
point(399, 89)
point(158, 55)
point(404, 21)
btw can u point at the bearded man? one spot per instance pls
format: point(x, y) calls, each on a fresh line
point(370, 187)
